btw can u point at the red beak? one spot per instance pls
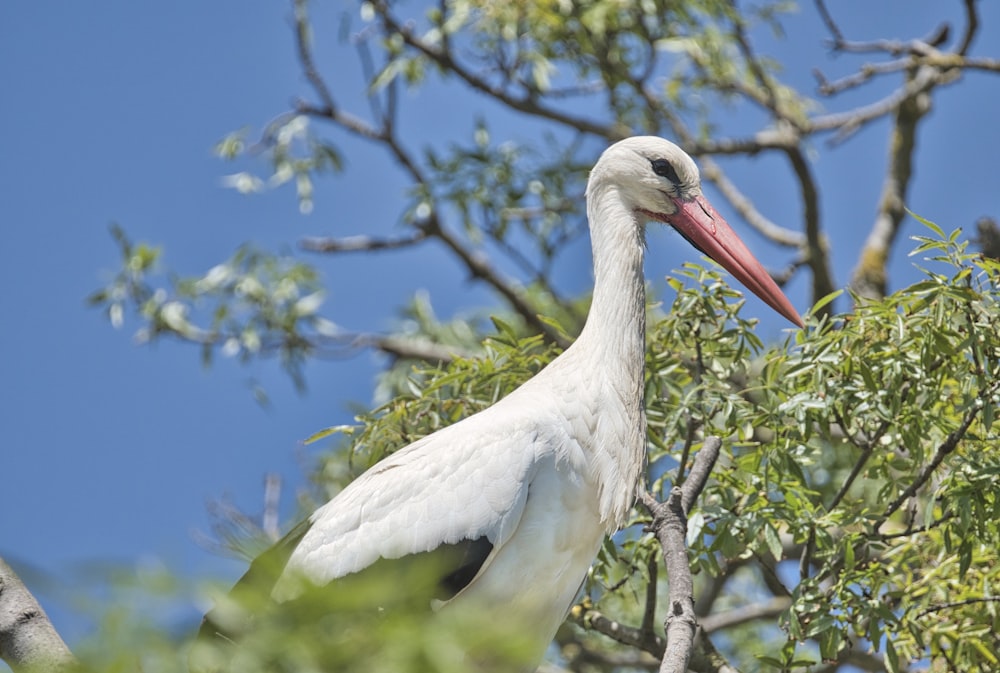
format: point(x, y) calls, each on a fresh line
point(699, 223)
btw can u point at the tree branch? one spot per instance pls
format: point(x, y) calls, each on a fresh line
point(848, 123)
point(586, 616)
point(329, 244)
point(670, 527)
point(527, 104)
point(304, 50)
point(415, 349)
point(28, 641)
point(871, 276)
point(767, 97)
point(817, 258)
point(971, 27)
point(773, 232)
point(742, 615)
point(479, 267)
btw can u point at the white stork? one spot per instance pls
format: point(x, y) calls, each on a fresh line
point(527, 489)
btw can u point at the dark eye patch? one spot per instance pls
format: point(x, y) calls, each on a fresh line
point(665, 169)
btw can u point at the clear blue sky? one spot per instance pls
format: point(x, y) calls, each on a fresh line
point(110, 451)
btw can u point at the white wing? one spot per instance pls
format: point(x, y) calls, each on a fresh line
point(464, 482)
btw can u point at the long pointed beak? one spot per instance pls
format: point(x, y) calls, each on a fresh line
point(700, 224)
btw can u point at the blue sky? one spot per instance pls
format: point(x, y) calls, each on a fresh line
point(110, 450)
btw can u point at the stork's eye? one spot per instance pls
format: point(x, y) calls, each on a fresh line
point(664, 169)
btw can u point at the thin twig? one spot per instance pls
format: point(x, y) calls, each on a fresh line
point(971, 27)
point(303, 46)
point(918, 530)
point(945, 448)
point(848, 123)
point(476, 264)
point(405, 348)
point(329, 244)
point(831, 25)
point(763, 81)
point(957, 604)
point(742, 615)
point(649, 612)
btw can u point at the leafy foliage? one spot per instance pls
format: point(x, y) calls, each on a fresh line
point(254, 304)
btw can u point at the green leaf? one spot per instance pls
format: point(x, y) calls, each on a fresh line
point(773, 541)
point(326, 432)
point(891, 658)
point(927, 223)
point(823, 301)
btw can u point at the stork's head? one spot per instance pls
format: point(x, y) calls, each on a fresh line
point(657, 180)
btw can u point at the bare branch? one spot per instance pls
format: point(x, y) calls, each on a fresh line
point(831, 25)
point(670, 527)
point(783, 137)
point(303, 42)
point(916, 47)
point(817, 258)
point(870, 276)
point(649, 610)
point(586, 616)
point(479, 266)
point(773, 232)
point(28, 641)
point(706, 659)
point(848, 123)
point(416, 349)
point(769, 98)
point(971, 27)
point(327, 244)
point(867, 72)
point(742, 615)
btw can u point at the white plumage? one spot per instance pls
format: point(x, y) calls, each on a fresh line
point(544, 474)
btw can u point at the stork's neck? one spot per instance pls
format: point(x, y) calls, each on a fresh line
point(615, 328)
point(612, 348)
